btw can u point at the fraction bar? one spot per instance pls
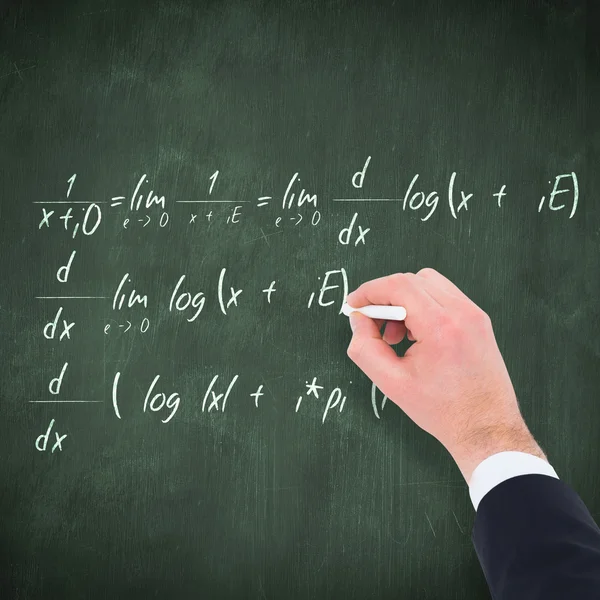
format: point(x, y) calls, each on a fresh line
point(63, 401)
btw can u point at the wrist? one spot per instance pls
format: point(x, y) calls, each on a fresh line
point(478, 445)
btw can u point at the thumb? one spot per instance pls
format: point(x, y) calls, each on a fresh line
point(371, 353)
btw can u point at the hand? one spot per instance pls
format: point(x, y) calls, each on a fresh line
point(452, 381)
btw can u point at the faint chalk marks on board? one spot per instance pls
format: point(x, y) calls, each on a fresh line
point(456, 519)
point(264, 236)
point(430, 525)
point(97, 12)
point(17, 71)
point(408, 534)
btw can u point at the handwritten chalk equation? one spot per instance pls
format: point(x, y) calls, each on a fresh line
point(218, 391)
point(157, 400)
point(165, 403)
point(185, 299)
point(147, 205)
point(144, 206)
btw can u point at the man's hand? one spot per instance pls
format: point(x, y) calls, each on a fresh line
point(452, 381)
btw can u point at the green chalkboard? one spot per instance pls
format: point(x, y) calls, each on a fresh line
point(187, 192)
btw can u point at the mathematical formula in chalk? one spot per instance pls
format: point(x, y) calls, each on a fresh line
point(144, 206)
point(165, 403)
point(131, 305)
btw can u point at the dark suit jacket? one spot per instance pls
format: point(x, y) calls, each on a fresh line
point(536, 540)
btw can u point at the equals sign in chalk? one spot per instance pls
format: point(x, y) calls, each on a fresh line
point(261, 200)
point(377, 311)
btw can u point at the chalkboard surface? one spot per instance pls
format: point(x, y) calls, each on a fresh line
point(187, 192)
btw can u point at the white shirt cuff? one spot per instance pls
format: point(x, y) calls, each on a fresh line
point(502, 466)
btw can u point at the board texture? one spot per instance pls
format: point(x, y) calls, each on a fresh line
point(187, 192)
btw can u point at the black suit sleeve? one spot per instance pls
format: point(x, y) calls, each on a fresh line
point(536, 540)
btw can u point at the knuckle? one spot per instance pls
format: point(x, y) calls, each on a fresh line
point(477, 320)
point(487, 320)
point(484, 320)
point(354, 350)
point(445, 321)
point(401, 279)
point(449, 326)
point(427, 272)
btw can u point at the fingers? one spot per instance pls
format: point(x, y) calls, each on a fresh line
point(441, 282)
point(394, 332)
point(379, 323)
point(371, 353)
point(401, 289)
point(445, 292)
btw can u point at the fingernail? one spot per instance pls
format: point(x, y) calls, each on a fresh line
point(353, 321)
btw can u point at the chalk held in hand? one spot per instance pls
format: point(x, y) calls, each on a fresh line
point(378, 311)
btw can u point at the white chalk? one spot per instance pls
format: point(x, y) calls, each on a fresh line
point(378, 311)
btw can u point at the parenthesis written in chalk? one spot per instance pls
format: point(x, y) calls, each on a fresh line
point(345, 280)
point(450, 193)
point(114, 393)
point(220, 290)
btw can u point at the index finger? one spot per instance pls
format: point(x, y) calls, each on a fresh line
point(400, 289)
